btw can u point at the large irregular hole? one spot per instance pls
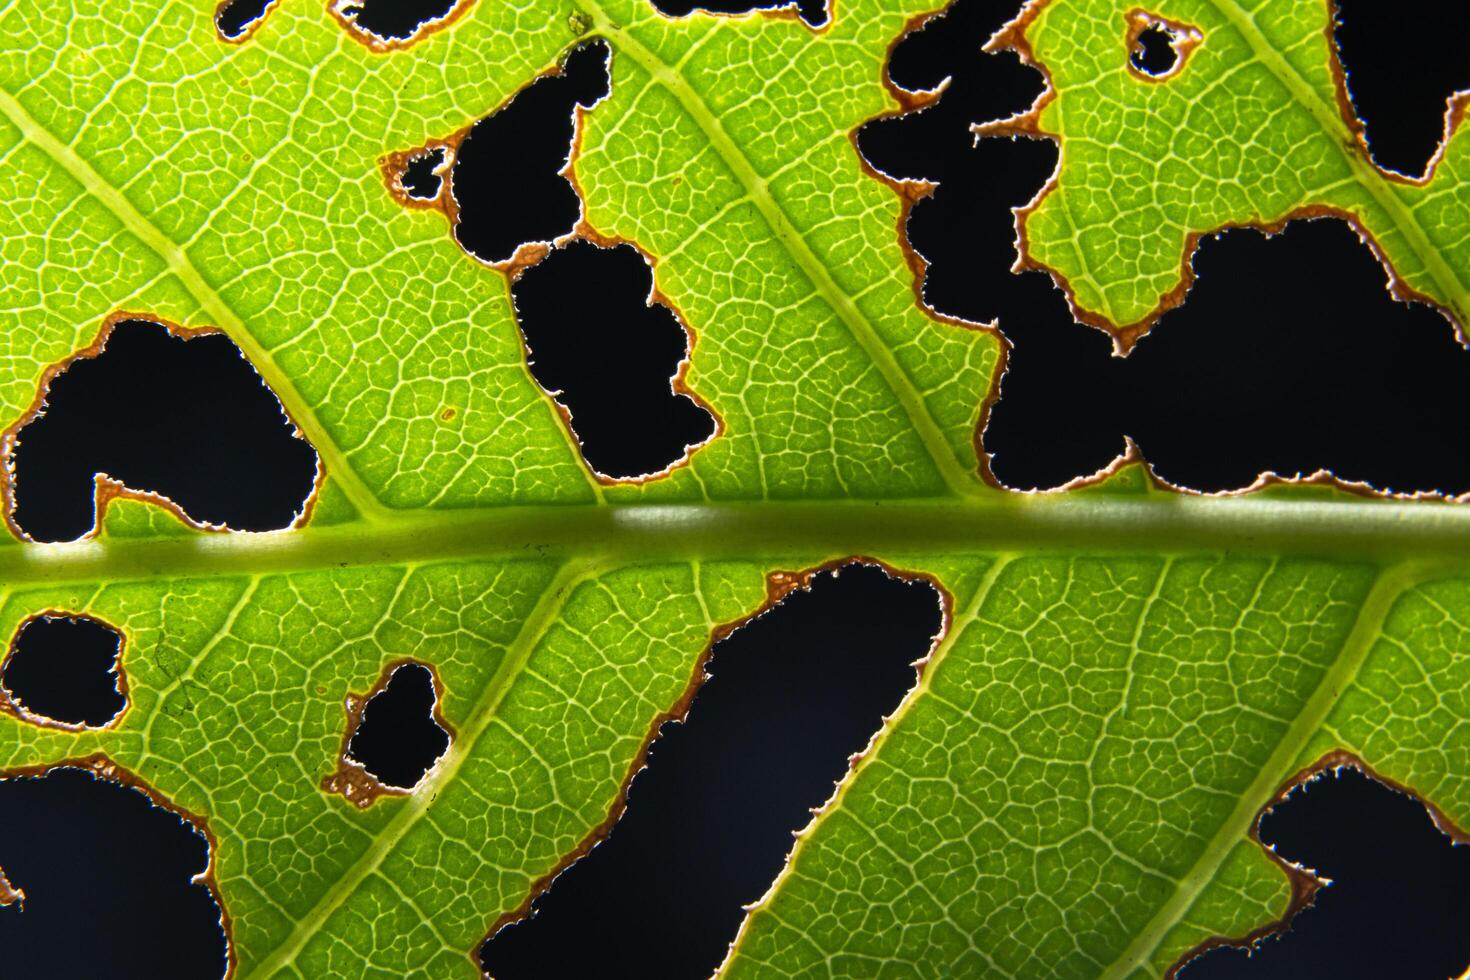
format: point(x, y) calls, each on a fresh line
point(1288, 357)
point(1402, 66)
point(114, 885)
point(790, 696)
point(507, 180)
point(393, 22)
point(1398, 899)
point(964, 229)
point(814, 13)
point(64, 669)
point(235, 19)
point(183, 417)
point(611, 357)
point(1279, 362)
point(934, 143)
point(399, 740)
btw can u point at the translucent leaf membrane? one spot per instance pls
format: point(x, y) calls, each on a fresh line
point(1128, 677)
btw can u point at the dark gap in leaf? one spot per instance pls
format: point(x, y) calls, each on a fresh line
point(964, 229)
point(234, 18)
point(394, 20)
point(1398, 901)
point(812, 12)
point(109, 883)
point(933, 143)
point(1288, 357)
point(1284, 357)
point(65, 668)
point(188, 418)
point(398, 739)
point(420, 178)
point(506, 179)
point(609, 356)
point(791, 695)
point(1153, 51)
point(1402, 65)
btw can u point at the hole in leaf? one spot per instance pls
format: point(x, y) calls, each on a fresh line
point(1402, 67)
point(933, 143)
point(1262, 369)
point(187, 418)
point(790, 696)
point(421, 178)
point(64, 669)
point(114, 885)
point(398, 739)
point(235, 19)
point(1288, 356)
point(1399, 895)
point(390, 21)
point(610, 357)
point(813, 13)
point(507, 177)
point(1158, 48)
point(964, 229)
point(1153, 50)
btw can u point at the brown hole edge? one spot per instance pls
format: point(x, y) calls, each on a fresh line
point(103, 767)
point(1304, 884)
point(351, 780)
point(530, 254)
point(384, 45)
point(787, 10)
point(248, 31)
point(11, 706)
point(779, 585)
point(108, 489)
point(1026, 125)
point(1185, 37)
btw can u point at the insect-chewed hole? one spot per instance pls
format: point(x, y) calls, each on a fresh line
point(393, 20)
point(235, 18)
point(1402, 66)
point(609, 357)
point(64, 669)
point(814, 13)
point(507, 179)
point(1288, 357)
point(965, 229)
point(102, 869)
point(1399, 895)
point(790, 696)
point(1154, 52)
point(186, 418)
point(1157, 48)
point(398, 739)
point(421, 174)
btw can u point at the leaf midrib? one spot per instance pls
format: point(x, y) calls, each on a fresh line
point(1386, 531)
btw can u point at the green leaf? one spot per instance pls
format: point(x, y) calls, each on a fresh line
point(1128, 676)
